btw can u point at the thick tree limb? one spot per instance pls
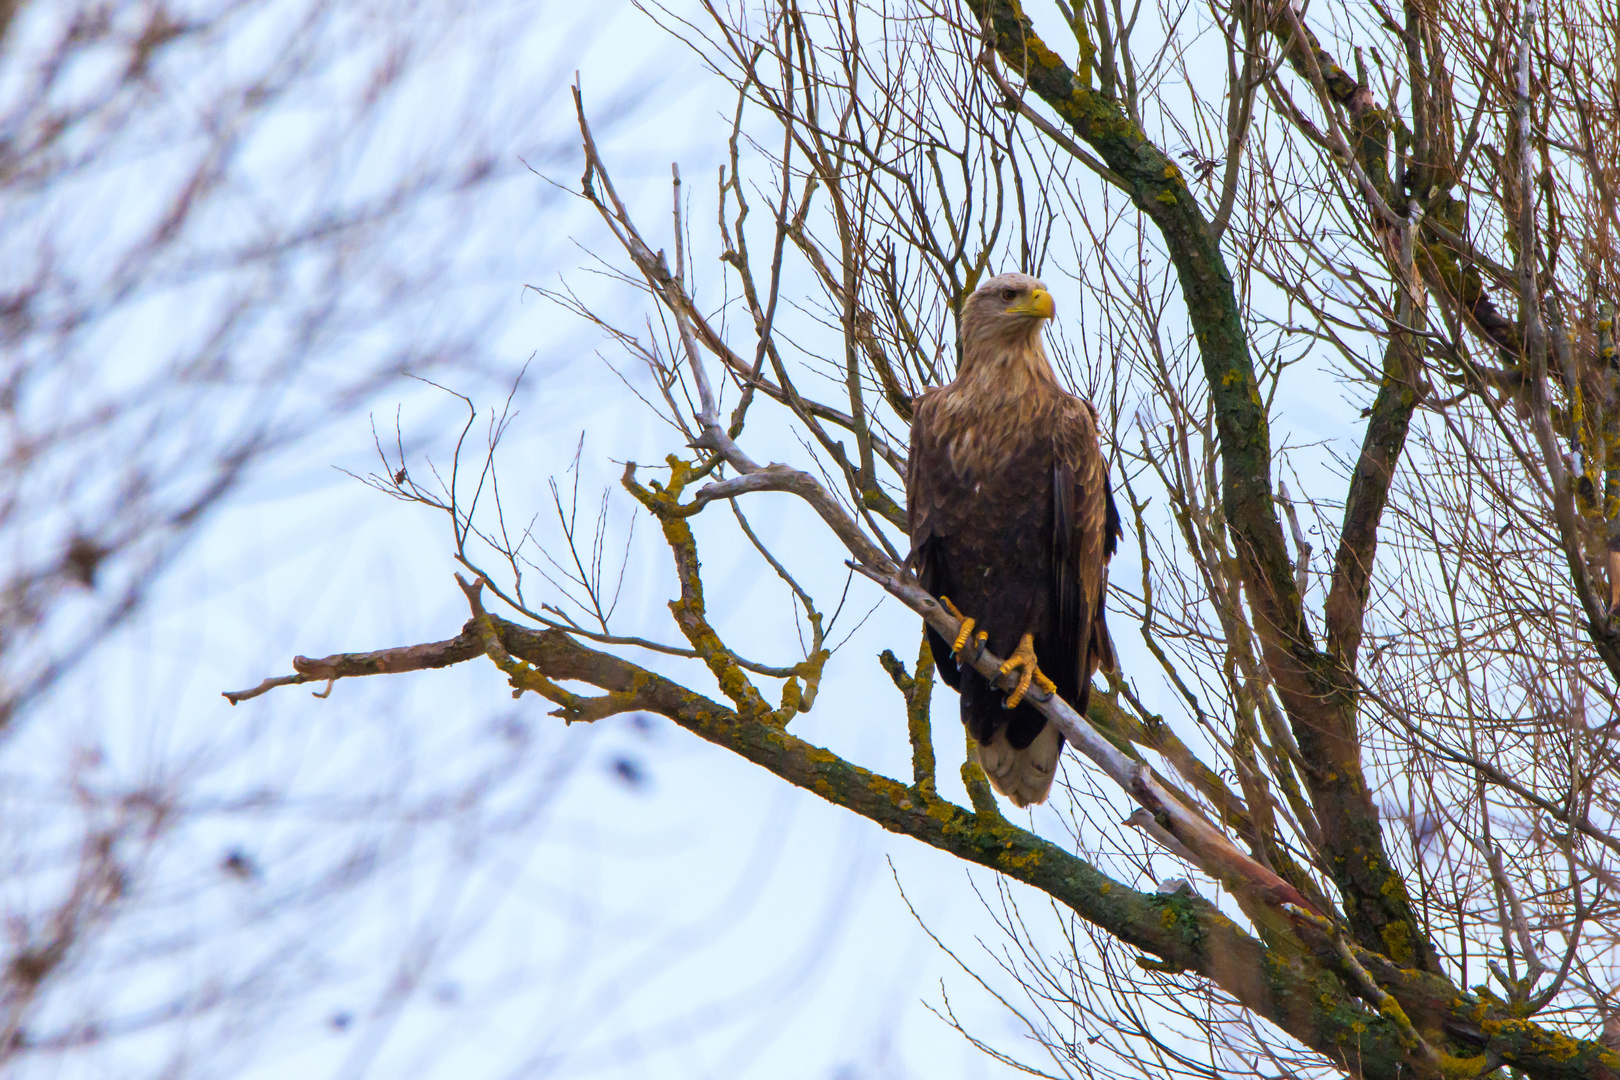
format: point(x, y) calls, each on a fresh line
point(1180, 930)
point(1302, 992)
point(1381, 447)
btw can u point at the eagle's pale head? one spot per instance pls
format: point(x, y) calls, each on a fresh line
point(1007, 307)
point(1001, 322)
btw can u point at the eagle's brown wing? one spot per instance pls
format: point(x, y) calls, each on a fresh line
point(929, 508)
point(1085, 531)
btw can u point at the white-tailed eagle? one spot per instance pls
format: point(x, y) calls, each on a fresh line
point(1012, 525)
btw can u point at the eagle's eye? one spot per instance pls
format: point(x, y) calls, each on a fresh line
point(1009, 295)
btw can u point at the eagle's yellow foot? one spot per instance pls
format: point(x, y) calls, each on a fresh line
point(1024, 660)
point(967, 626)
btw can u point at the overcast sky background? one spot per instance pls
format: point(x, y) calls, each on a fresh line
point(621, 900)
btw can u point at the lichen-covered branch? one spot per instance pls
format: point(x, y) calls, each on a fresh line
point(1297, 989)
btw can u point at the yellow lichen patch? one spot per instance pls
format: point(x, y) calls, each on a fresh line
point(1021, 860)
point(1171, 172)
point(1398, 940)
point(792, 695)
point(1041, 55)
point(1562, 1047)
point(1168, 918)
point(1460, 1068)
point(1532, 1040)
point(1168, 198)
point(1106, 887)
point(1397, 1015)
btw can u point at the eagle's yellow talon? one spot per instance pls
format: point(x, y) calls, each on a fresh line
point(967, 625)
point(1024, 660)
point(962, 638)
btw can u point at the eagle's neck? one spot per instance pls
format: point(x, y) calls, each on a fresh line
point(1002, 369)
point(1003, 392)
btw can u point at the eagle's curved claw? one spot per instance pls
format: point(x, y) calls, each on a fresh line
point(967, 626)
point(1024, 660)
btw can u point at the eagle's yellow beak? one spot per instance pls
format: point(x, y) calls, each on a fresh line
point(1039, 304)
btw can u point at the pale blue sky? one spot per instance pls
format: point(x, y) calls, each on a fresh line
point(705, 922)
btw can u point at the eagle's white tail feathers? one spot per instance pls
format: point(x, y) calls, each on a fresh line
point(1024, 776)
